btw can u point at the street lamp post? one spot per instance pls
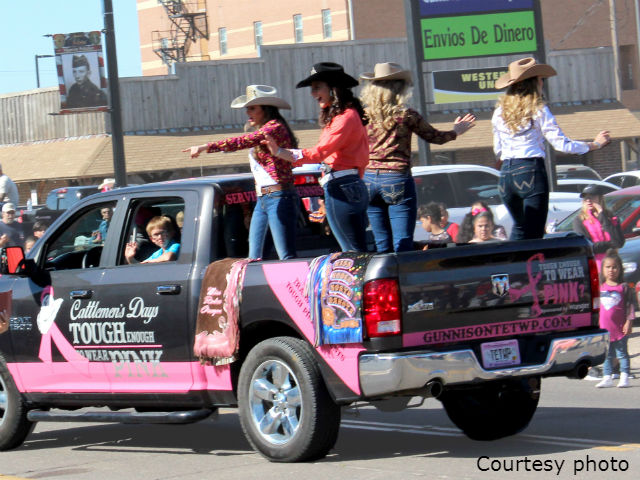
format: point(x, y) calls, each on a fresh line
point(38, 70)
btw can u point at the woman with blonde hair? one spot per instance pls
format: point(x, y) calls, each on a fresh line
point(597, 223)
point(392, 209)
point(521, 123)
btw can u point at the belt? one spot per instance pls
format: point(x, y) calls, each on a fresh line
point(333, 175)
point(278, 187)
point(387, 170)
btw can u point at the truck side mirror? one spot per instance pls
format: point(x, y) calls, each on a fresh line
point(12, 260)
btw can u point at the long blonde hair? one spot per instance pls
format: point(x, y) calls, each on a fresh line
point(384, 100)
point(520, 104)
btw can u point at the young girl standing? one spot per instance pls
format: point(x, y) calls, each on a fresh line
point(617, 311)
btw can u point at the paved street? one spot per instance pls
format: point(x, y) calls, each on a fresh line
point(578, 430)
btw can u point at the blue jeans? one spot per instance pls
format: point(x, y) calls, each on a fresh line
point(345, 200)
point(278, 212)
point(617, 349)
point(392, 209)
point(524, 190)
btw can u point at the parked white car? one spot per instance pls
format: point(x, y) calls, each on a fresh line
point(459, 186)
point(576, 170)
point(576, 185)
point(625, 179)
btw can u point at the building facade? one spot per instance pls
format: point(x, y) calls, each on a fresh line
point(239, 28)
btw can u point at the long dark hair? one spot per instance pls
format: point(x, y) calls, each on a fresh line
point(273, 113)
point(466, 226)
point(343, 98)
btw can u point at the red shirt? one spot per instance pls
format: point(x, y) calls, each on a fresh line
point(343, 144)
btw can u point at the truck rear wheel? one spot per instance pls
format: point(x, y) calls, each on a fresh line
point(494, 410)
point(14, 426)
point(285, 409)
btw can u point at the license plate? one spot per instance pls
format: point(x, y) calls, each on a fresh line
point(500, 354)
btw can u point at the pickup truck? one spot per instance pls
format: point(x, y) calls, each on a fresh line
point(86, 336)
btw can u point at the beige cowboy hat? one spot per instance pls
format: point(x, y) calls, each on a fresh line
point(523, 69)
point(260, 95)
point(388, 71)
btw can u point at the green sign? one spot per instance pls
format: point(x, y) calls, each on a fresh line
point(478, 35)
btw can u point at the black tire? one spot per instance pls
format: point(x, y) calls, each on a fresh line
point(14, 426)
point(493, 410)
point(285, 409)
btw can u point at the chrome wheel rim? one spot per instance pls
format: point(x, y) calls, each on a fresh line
point(276, 404)
point(4, 401)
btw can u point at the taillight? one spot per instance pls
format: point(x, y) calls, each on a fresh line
point(595, 285)
point(382, 308)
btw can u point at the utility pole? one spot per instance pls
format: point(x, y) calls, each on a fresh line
point(38, 69)
point(616, 73)
point(117, 137)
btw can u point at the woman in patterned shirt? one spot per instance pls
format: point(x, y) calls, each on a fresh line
point(392, 193)
point(278, 201)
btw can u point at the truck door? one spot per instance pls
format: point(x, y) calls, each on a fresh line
point(54, 346)
point(154, 352)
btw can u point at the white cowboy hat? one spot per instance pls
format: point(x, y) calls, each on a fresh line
point(107, 182)
point(388, 71)
point(260, 95)
point(523, 69)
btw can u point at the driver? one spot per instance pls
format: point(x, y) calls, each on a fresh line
point(162, 233)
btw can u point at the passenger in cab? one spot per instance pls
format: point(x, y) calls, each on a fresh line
point(277, 207)
point(342, 152)
point(162, 233)
point(392, 191)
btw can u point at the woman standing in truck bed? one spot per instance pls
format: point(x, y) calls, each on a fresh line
point(277, 206)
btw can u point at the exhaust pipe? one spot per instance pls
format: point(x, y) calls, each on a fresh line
point(580, 371)
point(434, 388)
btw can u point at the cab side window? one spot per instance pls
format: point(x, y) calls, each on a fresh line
point(78, 244)
point(152, 233)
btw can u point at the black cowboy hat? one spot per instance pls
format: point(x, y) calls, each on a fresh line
point(593, 189)
point(329, 72)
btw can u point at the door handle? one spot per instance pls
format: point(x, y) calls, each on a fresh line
point(168, 289)
point(81, 293)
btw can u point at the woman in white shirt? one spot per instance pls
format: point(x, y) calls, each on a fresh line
point(521, 123)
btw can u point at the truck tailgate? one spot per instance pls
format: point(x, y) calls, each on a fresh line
point(495, 290)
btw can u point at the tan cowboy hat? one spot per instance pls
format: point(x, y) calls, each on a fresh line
point(523, 69)
point(388, 71)
point(260, 95)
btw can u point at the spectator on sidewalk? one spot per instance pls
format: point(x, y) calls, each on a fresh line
point(8, 189)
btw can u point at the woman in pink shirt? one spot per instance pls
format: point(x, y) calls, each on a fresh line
point(343, 151)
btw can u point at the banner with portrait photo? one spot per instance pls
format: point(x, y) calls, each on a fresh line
point(81, 75)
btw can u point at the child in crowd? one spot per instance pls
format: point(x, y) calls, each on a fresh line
point(430, 216)
point(466, 232)
point(451, 227)
point(617, 311)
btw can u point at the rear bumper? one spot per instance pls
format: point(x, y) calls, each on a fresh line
point(387, 373)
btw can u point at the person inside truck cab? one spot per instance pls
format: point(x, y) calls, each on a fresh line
point(100, 235)
point(342, 151)
point(276, 209)
point(162, 233)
